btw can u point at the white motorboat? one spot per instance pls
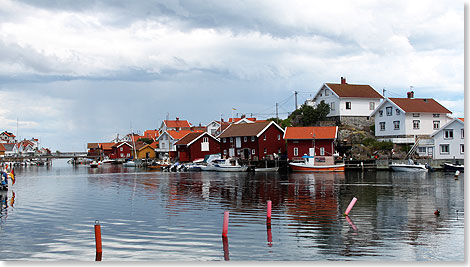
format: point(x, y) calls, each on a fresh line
point(317, 164)
point(226, 165)
point(408, 167)
point(129, 163)
point(94, 164)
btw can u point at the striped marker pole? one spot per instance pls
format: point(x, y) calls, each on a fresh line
point(351, 205)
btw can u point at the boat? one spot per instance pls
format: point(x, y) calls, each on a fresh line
point(408, 167)
point(317, 164)
point(271, 169)
point(129, 163)
point(228, 165)
point(109, 161)
point(453, 167)
point(94, 164)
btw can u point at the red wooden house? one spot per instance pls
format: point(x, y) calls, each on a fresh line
point(252, 140)
point(122, 150)
point(196, 145)
point(300, 141)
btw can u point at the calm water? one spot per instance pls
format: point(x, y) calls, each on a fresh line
point(155, 216)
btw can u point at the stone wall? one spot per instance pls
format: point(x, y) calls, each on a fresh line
point(358, 122)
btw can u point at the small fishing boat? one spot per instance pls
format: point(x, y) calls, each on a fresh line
point(453, 167)
point(408, 167)
point(227, 165)
point(94, 164)
point(109, 161)
point(317, 164)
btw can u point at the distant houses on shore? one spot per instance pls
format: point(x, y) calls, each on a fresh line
point(421, 123)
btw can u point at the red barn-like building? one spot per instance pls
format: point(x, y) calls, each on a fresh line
point(252, 140)
point(301, 139)
point(196, 145)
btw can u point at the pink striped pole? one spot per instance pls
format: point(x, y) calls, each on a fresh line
point(225, 226)
point(269, 209)
point(351, 205)
point(351, 223)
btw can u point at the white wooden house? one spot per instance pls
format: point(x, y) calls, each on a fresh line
point(212, 127)
point(449, 140)
point(348, 102)
point(403, 120)
point(7, 137)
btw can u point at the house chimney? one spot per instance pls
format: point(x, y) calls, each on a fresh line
point(221, 120)
point(410, 95)
point(343, 80)
point(243, 116)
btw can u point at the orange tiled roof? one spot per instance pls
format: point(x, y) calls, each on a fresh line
point(238, 119)
point(177, 123)
point(461, 119)
point(327, 132)
point(419, 105)
point(354, 90)
point(106, 146)
point(180, 134)
point(151, 134)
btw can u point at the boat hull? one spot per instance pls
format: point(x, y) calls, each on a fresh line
point(453, 167)
point(230, 169)
point(302, 167)
point(408, 168)
point(274, 169)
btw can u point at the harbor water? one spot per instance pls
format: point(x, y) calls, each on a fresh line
point(50, 213)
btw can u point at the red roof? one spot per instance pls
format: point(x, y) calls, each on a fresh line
point(354, 90)
point(419, 105)
point(461, 119)
point(177, 123)
point(326, 132)
point(151, 134)
point(238, 119)
point(106, 146)
point(245, 129)
point(180, 134)
point(2, 148)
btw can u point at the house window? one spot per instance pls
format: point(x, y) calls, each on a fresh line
point(348, 105)
point(225, 151)
point(332, 106)
point(382, 126)
point(265, 151)
point(224, 140)
point(421, 149)
point(122, 155)
point(461, 149)
point(121, 149)
point(381, 113)
point(436, 125)
point(415, 114)
point(322, 151)
point(205, 139)
point(449, 134)
point(279, 151)
point(461, 133)
point(128, 154)
point(416, 124)
point(253, 151)
point(231, 139)
point(389, 111)
point(444, 149)
point(264, 138)
point(397, 111)
point(278, 137)
point(245, 139)
point(396, 125)
point(371, 105)
point(327, 93)
point(436, 115)
point(296, 151)
point(252, 139)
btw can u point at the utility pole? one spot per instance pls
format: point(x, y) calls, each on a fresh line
point(295, 94)
point(277, 114)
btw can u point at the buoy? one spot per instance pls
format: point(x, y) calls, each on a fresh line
point(351, 223)
point(99, 249)
point(351, 205)
point(437, 213)
point(269, 209)
point(225, 226)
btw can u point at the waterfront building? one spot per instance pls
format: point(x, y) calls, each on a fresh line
point(350, 104)
point(449, 141)
point(252, 140)
point(106, 150)
point(212, 127)
point(93, 150)
point(2, 150)
point(7, 137)
point(151, 134)
point(174, 125)
point(196, 145)
point(122, 150)
point(166, 142)
point(312, 141)
point(145, 151)
point(406, 120)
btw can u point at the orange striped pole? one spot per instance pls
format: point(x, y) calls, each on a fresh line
point(99, 249)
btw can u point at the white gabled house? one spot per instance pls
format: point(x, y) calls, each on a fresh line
point(403, 120)
point(348, 101)
point(449, 141)
point(212, 127)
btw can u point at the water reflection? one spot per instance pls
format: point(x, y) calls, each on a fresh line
point(177, 216)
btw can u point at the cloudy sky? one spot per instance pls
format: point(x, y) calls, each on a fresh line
point(73, 72)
